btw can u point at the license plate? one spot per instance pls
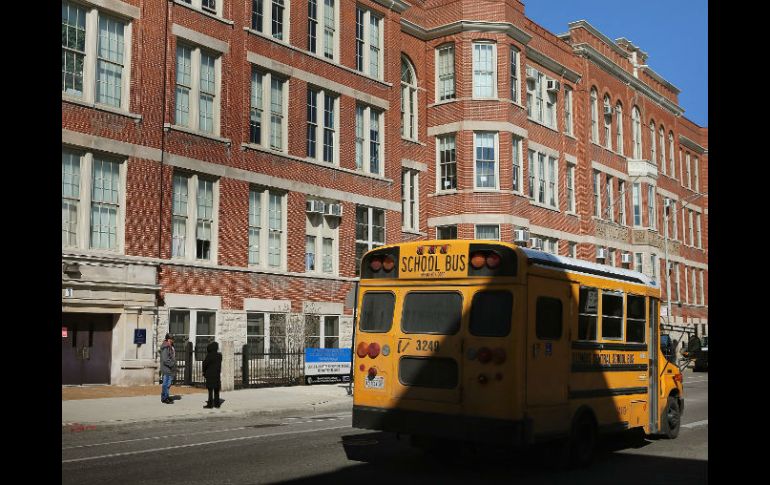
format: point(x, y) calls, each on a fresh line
point(376, 383)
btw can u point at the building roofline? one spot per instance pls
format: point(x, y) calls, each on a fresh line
point(424, 34)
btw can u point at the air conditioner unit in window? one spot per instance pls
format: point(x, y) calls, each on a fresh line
point(333, 210)
point(521, 236)
point(314, 206)
point(531, 73)
point(607, 110)
point(625, 258)
point(552, 85)
point(536, 243)
point(601, 253)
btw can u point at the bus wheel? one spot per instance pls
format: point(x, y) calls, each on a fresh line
point(583, 440)
point(671, 418)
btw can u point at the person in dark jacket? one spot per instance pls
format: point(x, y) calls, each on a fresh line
point(167, 368)
point(212, 368)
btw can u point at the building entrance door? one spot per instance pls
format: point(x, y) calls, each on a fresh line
point(86, 350)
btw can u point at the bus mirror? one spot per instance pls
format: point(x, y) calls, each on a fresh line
point(693, 345)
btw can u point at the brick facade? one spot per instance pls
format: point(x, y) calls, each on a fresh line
point(146, 138)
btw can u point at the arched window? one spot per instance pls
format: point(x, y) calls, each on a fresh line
point(594, 116)
point(672, 172)
point(607, 122)
point(662, 137)
point(636, 133)
point(408, 100)
point(619, 124)
point(653, 153)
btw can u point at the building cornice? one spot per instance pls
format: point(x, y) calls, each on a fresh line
point(691, 144)
point(590, 28)
point(398, 6)
point(608, 65)
point(660, 79)
point(548, 63)
point(465, 26)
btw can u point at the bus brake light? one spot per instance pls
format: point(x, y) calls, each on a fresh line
point(372, 372)
point(484, 355)
point(678, 378)
point(374, 350)
point(478, 260)
point(362, 349)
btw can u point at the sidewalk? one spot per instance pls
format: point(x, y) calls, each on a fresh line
point(142, 404)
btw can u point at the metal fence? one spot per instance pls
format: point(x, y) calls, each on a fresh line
point(252, 369)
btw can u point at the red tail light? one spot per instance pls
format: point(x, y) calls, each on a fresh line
point(388, 263)
point(372, 372)
point(478, 260)
point(376, 263)
point(498, 356)
point(484, 355)
point(493, 260)
point(678, 378)
point(362, 367)
point(444, 248)
point(362, 349)
point(374, 350)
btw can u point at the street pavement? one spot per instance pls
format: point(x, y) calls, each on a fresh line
point(275, 401)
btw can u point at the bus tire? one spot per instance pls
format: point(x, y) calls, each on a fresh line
point(672, 418)
point(583, 440)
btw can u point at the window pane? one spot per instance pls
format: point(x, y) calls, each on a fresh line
point(588, 308)
point(635, 319)
point(110, 52)
point(377, 312)
point(73, 41)
point(432, 312)
point(548, 318)
point(491, 313)
point(612, 315)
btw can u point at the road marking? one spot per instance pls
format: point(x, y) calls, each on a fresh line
point(153, 450)
point(696, 424)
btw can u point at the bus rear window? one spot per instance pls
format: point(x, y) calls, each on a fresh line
point(377, 312)
point(491, 313)
point(434, 312)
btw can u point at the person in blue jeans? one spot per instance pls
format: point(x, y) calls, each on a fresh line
point(167, 368)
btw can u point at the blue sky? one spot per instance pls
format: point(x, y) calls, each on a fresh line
point(673, 32)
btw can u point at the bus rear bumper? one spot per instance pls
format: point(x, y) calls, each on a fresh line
point(466, 428)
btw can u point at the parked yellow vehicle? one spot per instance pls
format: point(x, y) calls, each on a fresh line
point(489, 342)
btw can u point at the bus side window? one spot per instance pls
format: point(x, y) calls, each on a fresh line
point(612, 315)
point(377, 312)
point(548, 318)
point(635, 321)
point(588, 309)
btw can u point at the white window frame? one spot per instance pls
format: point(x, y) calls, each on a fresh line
point(322, 228)
point(607, 123)
point(698, 234)
point(496, 161)
point(410, 199)
point(696, 177)
point(651, 212)
point(409, 102)
point(439, 228)
point(597, 177)
point(191, 225)
point(267, 332)
point(322, 336)
point(662, 138)
point(366, 68)
point(85, 201)
point(89, 93)
point(267, 19)
point(322, 47)
point(446, 87)
point(515, 71)
point(194, 93)
point(198, 5)
point(638, 258)
point(446, 143)
point(686, 179)
point(594, 108)
point(192, 331)
point(571, 169)
point(619, 127)
point(702, 289)
point(609, 196)
point(636, 133)
point(475, 60)
point(264, 194)
point(540, 179)
point(320, 125)
point(637, 204)
point(369, 241)
point(265, 110)
point(476, 231)
point(671, 150)
point(692, 230)
point(653, 148)
point(517, 168)
point(621, 202)
point(368, 112)
point(568, 111)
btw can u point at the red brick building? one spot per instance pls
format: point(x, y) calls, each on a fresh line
point(225, 164)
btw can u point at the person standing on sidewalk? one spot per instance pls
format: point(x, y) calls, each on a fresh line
point(167, 368)
point(212, 368)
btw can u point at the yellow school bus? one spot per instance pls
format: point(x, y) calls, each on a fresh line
point(488, 342)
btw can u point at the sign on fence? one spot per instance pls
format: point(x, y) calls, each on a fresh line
point(324, 366)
